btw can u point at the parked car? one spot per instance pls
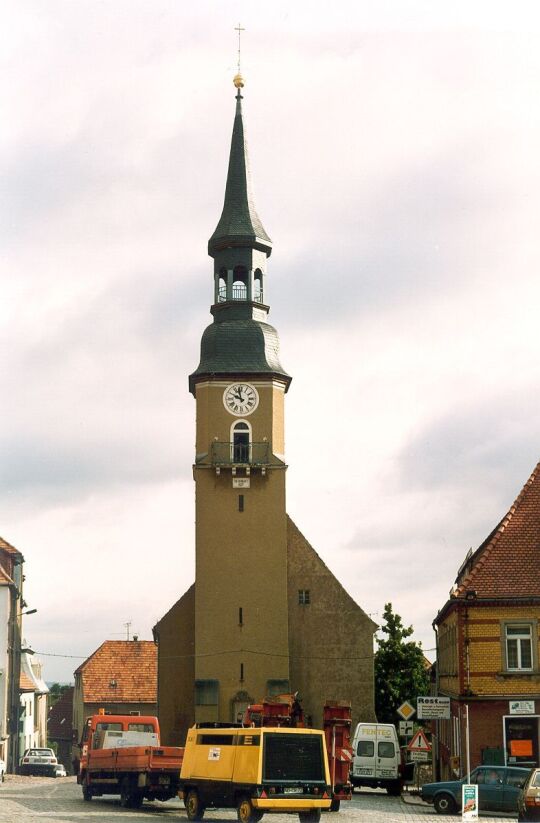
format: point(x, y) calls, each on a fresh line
point(2, 770)
point(38, 761)
point(529, 798)
point(498, 790)
point(60, 770)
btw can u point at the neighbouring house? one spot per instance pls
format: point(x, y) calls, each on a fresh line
point(33, 712)
point(488, 645)
point(120, 677)
point(11, 604)
point(59, 727)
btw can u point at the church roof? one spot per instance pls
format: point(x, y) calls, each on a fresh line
point(239, 224)
point(507, 564)
point(246, 347)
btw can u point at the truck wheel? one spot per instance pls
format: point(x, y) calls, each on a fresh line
point(194, 809)
point(246, 811)
point(445, 804)
point(130, 798)
point(394, 789)
point(335, 804)
point(313, 816)
point(86, 792)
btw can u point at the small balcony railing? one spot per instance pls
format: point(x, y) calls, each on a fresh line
point(240, 454)
point(238, 293)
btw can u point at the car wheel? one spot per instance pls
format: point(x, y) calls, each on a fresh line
point(313, 816)
point(194, 809)
point(445, 804)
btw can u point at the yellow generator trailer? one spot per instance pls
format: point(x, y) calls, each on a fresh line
point(255, 771)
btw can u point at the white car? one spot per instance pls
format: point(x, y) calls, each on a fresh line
point(38, 761)
point(2, 770)
point(60, 770)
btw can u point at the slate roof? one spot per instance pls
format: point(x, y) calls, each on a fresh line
point(507, 563)
point(121, 671)
point(239, 223)
point(239, 347)
point(59, 722)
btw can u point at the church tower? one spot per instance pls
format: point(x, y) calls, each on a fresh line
point(265, 615)
point(241, 609)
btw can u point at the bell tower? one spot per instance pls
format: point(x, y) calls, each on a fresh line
point(241, 607)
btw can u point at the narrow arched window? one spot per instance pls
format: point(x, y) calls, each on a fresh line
point(240, 276)
point(241, 442)
point(258, 295)
point(222, 286)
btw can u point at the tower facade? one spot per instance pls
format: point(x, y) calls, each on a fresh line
point(241, 610)
point(265, 615)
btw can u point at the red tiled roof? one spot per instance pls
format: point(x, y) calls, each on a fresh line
point(121, 671)
point(26, 684)
point(59, 723)
point(8, 547)
point(507, 564)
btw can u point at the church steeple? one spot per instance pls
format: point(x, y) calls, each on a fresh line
point(239, 224)
point(239, 341)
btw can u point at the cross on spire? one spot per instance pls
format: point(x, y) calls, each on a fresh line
point(239, 29)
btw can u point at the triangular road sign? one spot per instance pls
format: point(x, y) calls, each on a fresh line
point(419, 743)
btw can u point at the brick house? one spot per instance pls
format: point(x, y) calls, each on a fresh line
point(488, 645)
point(120, 677)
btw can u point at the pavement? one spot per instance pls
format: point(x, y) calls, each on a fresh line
point(59, 800)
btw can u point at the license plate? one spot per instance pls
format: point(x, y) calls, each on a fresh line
point(164, 781)
point(293, 790)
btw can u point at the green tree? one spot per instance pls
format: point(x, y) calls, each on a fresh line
point(400, 668)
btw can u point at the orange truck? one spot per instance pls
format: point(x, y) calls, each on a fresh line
point(121, 754)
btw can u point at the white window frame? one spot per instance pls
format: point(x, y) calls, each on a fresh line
point(529, 626)
point(234, 426)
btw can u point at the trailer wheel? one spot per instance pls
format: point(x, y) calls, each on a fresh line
point(313, 816)
point(394, 789)
point(335, 804)
point(194, 808)
point(246, 812)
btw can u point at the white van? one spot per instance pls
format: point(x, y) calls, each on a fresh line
point(377, 758)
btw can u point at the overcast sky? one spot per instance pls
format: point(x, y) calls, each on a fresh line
point(394, 150)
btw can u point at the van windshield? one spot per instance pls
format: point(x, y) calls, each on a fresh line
point(293, 757)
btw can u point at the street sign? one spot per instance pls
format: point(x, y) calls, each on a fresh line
point(433, 708)
point(406, 710)
point(406, 728)
point(419, 743)
point(419, 757)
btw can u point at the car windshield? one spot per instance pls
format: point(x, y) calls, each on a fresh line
point(41, 752)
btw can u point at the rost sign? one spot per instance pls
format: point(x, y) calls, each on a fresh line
point(433, 708)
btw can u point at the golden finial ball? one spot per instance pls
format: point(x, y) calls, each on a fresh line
point(239, 81)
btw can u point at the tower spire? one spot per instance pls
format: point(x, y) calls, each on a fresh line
point(239, 224)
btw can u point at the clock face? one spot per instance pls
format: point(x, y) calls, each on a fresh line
point(240, 399)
